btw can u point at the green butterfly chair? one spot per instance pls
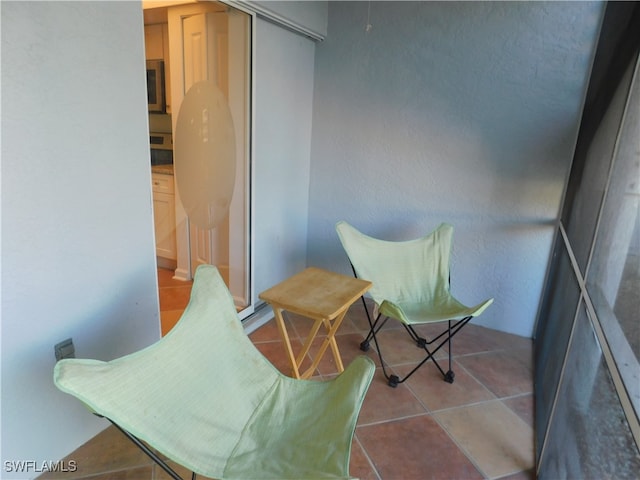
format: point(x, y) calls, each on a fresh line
point(411, 285)
point(204, 397)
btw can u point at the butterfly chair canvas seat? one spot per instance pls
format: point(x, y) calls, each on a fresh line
point(206, 398)
point(411, 284)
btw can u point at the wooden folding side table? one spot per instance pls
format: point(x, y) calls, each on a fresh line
point(322, 296)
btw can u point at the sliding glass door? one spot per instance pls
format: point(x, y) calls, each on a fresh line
point(211, 53)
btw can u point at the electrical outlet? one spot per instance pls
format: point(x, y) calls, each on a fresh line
point(65, 349)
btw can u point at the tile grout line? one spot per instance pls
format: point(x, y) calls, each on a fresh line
point(367, 457)
point(460, 447)
point(391, 420)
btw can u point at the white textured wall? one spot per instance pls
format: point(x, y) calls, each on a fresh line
point(284, 95)
point(78, 255)
point(464, 112)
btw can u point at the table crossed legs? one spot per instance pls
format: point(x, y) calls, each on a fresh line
point(321, 296)
point(329, 341)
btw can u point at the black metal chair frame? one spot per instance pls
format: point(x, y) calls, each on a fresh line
point(374, 327)
point(149, 452)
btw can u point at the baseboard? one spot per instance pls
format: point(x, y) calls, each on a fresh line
point(182, 274)
point(166, 263)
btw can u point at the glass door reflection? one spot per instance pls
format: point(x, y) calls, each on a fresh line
point(211, 42)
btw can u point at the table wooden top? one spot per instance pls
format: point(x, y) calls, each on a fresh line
point(316, 293)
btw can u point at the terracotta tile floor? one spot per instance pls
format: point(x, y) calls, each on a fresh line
point(174, 296)
point(481, 426)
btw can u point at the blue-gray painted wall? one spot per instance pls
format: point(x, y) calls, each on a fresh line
point(459, 112)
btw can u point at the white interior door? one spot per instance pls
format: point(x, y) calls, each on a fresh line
point(201, 36)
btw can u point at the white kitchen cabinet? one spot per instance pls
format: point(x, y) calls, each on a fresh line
point(164, 215)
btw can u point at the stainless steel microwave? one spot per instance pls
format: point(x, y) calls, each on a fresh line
point(155, 86)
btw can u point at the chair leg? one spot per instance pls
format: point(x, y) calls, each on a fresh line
point(450, 332)
point(373, 327)
point(449, 376)
point(365, 344)
point(150, 453)
point(421, 342)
